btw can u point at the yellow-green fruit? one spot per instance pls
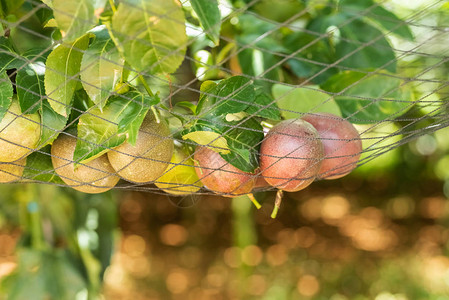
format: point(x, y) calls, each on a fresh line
point(95, 176)
point(180, 177)
point(149, 158)
point(12, 171)
point(19, 134)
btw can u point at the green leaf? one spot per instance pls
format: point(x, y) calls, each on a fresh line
point(132, 118)
point(6, 93)
point(101, 67)
point(186, 104)
point(231, 95)
point(264, 106)
point(313, 57)
point(52, 123)
point(9, 59)
point(253, 59)
point(209, 16)
point(30, 81)
point(40, 168)
point(244, 142)
point(365, 98)
point(359, 45)
point(294, 102)
point(98, 131)
point(378, 14)
point(11, 6)
point(45, 275)
point(242, 138)
point(152, 34)
point(61, 74)
point(74, 17)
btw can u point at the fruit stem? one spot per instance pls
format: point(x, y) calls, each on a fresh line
point(111, 3)
point(266, 124)
point(277, 203)
point(254, 201)
point(156, 115)
point(145, 85)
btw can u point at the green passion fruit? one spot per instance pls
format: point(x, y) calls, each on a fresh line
point(148, 159)
point(12, 171)
point(180, 177)
point(95, 176)
point(19, 133)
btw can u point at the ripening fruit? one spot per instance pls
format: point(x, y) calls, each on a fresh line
point(290, 155)
point(95, 176)
point(180, 176)
point(19, 134)
point(220, 176)
point(341, 141)
point(12, 171)
point(148, 159)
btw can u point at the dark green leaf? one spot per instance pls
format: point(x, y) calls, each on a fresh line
point(61, 74)
point(264, 106)
point(241, 139)
point(359, 45)
point(40, 168)
point(6, 93)
point(11, 6)
point(52, 123)
point(101, 68)
point(74, 17)
point(30, 81)
point(365, 98)
point(209, 16)
point(244, 142)
point(9, 59)
point(152, 34)
point(378, 14)
point(99, 131)
point(313, 57)
point(231, 95)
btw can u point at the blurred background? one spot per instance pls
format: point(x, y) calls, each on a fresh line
point(380, 233)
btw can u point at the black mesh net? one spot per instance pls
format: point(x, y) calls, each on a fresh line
point(182, 98)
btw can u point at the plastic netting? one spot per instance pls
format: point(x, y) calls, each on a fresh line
point(90, 72)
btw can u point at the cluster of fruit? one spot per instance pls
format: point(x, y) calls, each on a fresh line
point(292, 155)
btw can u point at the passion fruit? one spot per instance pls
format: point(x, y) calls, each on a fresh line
point(95, 176)
point(220, 176)
point(148, 159)
point(290, 155)
point(341, 141)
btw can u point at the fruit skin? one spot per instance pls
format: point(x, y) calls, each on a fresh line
point(290, 155)
point(179, 179)
point(220, 176)
point(95, 176)
point(12, 171)
point(154, 147)
point(341, 141)
point(19, 134)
